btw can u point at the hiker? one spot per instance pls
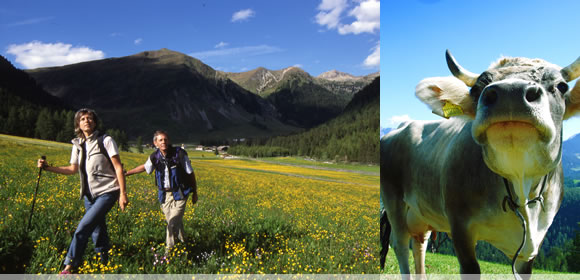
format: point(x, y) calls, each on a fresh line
point(175, 180)
point(96, 157)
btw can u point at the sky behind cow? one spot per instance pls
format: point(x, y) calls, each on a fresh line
point(416, 34)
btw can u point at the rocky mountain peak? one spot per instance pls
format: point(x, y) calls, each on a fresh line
point(335, 75)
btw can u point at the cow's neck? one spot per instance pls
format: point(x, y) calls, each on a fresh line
point(524, 166)
point(522, 173)
point(519, 193)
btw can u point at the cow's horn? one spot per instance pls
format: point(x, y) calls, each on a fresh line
point(459, 72)
point(572, 71)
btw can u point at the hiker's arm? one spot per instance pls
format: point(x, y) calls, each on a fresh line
point(138, 169)
point(65, 170)
point(123, 201)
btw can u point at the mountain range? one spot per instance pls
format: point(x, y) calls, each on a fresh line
point(571, 157)
point(296, 94)
point(351, 136)
point(169, 90)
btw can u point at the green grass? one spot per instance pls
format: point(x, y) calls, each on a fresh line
point(245, 221)
point(324, 164)
point(445, 264)
point(295, 161)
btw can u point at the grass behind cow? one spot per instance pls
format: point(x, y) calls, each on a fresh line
point(446, 264)
point(252, 217)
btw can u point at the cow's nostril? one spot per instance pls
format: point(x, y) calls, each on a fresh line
point(533, 94)
point(489, 96)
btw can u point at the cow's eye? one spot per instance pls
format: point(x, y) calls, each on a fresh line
point(562, 87)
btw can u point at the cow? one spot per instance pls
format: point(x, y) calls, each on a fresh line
point(491, 171)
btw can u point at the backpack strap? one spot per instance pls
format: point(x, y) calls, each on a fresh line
point(180, 154)
point(157, 158)
point(100, 142)
point(85, 190)
point(153, 158)
point(189, 178)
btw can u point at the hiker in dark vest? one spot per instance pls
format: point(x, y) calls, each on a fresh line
point(96, 158)
point(175, 180)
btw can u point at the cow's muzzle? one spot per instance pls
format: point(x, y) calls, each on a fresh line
point(512, 97)
point(514, 104)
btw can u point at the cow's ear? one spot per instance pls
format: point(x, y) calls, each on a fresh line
point(446, 96)
point(573, 101)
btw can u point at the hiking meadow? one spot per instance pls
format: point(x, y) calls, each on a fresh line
point(271, 216)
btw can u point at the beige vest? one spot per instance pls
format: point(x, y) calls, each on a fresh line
point(101, 176)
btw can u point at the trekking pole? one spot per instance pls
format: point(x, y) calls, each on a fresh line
point(35, 191)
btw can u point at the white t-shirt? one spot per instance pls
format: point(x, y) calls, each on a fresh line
point(186, 162)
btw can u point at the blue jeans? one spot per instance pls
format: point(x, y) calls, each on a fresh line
point(92, 224)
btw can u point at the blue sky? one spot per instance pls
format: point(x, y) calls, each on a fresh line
point(232, 36)
point(415, 34)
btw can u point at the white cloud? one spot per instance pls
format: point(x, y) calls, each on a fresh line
point(367, 14)
point(38, 54)
point(395, 121)
point(243, 15)
point(243, 51)
point(368, 18)
point(374, 59)
point(138, 41)
point(330, 12)
point(221, 45)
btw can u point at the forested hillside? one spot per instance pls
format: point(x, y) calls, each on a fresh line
point(352, 136)
point(27, 110)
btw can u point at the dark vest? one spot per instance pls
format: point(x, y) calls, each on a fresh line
point(179, 180)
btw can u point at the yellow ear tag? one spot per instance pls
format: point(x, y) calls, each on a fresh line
point(451, 110)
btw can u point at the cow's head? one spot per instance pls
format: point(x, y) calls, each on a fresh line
point(517, 107)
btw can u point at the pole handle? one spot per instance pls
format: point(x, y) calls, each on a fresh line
point(43, 157)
